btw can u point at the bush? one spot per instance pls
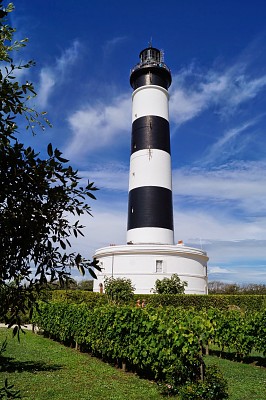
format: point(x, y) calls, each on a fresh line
point(172, 285)
point(214, 387)
point(119, 290)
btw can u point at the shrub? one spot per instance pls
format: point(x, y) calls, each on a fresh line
point(214, 387)
point(172, 285)
point(119, 290)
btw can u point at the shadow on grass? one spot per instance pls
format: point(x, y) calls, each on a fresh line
point(9, 364)
point(254, 360)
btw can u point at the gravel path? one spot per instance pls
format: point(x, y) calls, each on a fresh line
point(28, 327)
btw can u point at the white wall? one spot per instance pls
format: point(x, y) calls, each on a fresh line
point(138, 263)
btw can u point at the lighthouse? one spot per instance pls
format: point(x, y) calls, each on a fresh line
point(150, 210)
point(150, 252)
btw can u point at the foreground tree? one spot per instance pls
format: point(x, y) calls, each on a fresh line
point(172, 285)
point(118, 290)
point(37, 196)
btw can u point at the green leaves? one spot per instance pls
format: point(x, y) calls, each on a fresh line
point(119, 290)
point(37, 195)
point(50, 150)
point(8, 392)
point(148, 339)
point(172, 285)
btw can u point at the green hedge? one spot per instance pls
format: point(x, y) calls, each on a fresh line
point(199, 302)
point(79, 296)
point(251, 303)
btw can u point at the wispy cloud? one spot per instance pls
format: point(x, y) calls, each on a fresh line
point(112, 44)
point(46, 86)
point(98, 126)
point(111, 176)
point(53, 76)
point(194, 91)
point(243, 184)
point(229, 143)
point(68, 58)
point(219, 270)
point(240, 274)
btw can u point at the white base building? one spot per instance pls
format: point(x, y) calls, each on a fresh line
point(143, 264)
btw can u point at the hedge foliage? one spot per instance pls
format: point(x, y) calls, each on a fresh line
point(91, 299)
point(252, 303)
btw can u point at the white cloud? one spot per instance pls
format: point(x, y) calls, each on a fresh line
point(220, 204)
point(111, 44)
point(203, 228)
point(107, 226)
point(219, 270)
point(99, 126)
point(111, 176)
point(68, 58)
point(229, 144)
point(54, 75)
point(243, 183)
point(194, 91)
point(46, 85)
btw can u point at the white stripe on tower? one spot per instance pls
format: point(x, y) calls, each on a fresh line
point(150, 210)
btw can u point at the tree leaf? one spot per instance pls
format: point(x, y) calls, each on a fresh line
point(50, 150)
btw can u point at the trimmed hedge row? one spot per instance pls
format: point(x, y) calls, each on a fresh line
point(250, 303)
point(78, 296)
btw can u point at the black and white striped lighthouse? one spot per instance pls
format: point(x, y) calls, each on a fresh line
point(150, 252)
point(150, 209)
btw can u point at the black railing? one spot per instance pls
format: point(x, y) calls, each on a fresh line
point(150, 63)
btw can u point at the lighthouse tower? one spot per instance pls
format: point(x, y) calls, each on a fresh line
point(150, 210)
point(150, 252)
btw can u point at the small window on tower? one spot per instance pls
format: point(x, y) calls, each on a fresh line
point(159, 266)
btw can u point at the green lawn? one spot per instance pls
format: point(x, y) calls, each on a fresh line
point(246, 381)
point(43, 369)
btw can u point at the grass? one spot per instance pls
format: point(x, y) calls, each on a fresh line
point(245, 381)
point(43, 369)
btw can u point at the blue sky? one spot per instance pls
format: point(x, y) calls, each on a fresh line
point(216, 51)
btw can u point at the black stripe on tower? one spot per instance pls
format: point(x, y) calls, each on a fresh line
point(150, 206)
point(150, 132)
point(150, 76)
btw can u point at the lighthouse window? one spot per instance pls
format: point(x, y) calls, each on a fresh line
point(159, 266)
